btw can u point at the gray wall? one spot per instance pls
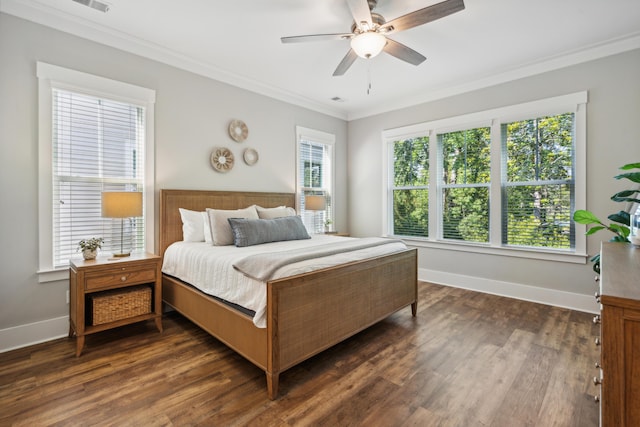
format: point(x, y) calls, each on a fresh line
point(192, 114)
point(613, 112)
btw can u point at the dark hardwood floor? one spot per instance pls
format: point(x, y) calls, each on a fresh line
point(468, 359)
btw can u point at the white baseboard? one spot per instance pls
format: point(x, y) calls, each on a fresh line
point(33, 333)
point(573, 301)
point(46, 330)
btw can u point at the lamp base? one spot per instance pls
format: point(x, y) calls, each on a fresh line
point(122, 255)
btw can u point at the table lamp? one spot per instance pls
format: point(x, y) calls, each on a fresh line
point(315, 203)
point(121, 204)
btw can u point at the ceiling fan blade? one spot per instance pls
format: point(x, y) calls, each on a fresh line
point(315, 38)
point(360, 11)
point(422, 16)
point(403, 52)
point(346, 62)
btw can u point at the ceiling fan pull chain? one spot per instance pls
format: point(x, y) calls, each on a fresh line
point(369, 78)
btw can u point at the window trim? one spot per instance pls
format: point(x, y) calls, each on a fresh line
point(574, 102)
point(50, 76)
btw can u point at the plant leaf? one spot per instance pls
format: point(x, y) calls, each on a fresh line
point(625, 199)
point(631, 176)
point(620, 229)
point(594, 229)
point(625, 193)
point(622, 217)
point(631, 166)
point(619, 239)
point(585, 217)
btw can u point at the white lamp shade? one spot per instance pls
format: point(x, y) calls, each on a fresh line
point(315, 203)
point(121, 204)
point(369, 44)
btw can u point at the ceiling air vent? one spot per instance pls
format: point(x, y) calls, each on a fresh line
point(94, 4)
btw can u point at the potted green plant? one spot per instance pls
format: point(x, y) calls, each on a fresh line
point(621, 220)
point(89, 247)
point(327, 224)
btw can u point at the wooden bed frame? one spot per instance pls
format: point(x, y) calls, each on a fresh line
point(307, 313)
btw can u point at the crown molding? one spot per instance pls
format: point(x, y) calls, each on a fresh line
point(43, 14)
point(35, 11)
point(567, 59)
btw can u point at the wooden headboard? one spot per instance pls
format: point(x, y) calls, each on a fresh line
point(199, 200)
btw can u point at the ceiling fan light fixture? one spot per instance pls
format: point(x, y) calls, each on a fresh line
point(369, 44)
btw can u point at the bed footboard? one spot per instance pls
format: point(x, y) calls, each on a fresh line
point(310, 313)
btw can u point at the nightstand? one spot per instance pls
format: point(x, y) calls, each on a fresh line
point(105, 293)
point(337, 233)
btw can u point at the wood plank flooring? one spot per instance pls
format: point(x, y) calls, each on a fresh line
point(468, 359)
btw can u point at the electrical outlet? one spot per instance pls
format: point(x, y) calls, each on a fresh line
point(67, 296)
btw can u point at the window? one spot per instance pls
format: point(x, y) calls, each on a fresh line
point(466, 174)
point(94, 137)
point(410, 186)
point(538, 192)
point(315, 178)
point(507, 179)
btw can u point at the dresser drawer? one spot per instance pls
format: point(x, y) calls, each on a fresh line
point(119, 276)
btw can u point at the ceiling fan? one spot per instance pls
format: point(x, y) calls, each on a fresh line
point(369, 32)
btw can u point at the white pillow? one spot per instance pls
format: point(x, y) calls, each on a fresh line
point(207, 228)
point(271, 213)
point(192, 225)
point(221, 233)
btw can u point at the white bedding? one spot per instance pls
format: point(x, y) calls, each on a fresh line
point(210, 268)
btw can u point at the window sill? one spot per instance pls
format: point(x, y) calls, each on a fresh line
point(531, 253)
point(53, 275)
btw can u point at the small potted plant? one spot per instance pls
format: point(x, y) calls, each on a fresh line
point(89, 247)
point(327, 225)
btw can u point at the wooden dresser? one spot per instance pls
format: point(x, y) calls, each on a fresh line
point(620, 335)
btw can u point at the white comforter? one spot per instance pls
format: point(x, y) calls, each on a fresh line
point(210, 268)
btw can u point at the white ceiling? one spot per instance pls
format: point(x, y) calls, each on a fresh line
point(238, 42)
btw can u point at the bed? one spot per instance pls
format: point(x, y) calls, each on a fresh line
point(306, 313)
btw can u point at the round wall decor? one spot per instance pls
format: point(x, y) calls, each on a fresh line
point(250, 156)
point(238, 130)
point(222, 159)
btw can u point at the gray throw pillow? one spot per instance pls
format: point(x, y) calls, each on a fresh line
point(248, 232)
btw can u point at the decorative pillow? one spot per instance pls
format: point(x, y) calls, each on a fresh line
point(220, 229)
point(270, 213)
point(248, 232)
point(192, 225)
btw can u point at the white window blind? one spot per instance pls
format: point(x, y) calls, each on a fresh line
point(97, 145)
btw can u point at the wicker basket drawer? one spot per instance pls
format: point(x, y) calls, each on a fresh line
point(118, 277)
point(109, 306)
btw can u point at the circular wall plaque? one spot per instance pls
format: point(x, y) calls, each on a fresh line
point(250, 156)
point(238, 131)
point(222, 159)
